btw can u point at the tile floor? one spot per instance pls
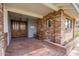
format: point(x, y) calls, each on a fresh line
point(32, 47)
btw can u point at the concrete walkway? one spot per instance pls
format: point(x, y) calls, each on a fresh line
point(75, 50)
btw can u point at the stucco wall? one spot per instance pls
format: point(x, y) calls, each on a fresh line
point(31, 27)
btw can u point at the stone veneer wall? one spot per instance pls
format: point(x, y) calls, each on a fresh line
point(40, 32)
point(67, 35)
point(2, 48)
point(57, 32)
point(51, 34)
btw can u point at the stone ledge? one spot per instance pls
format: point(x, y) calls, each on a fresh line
point(70, 46)
point(67, 48)
point(58, 46)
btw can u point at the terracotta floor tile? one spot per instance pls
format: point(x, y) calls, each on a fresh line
point(32, 47)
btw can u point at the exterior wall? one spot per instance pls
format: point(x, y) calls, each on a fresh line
point(2, 48)
point(40, 30)
point(50, 34)
point(57, 33)
point(6, 23)
point(31, 27)
point(77, 25)
point(66, 34)
point(58, 30)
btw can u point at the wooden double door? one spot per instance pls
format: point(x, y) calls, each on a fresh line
point(18, 28)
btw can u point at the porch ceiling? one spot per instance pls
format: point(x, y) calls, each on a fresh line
point(68, 8)
point(17, 16)
point(43, 9)
point(36, 8)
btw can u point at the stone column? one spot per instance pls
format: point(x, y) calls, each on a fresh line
point(58, 27)
point(1, 31)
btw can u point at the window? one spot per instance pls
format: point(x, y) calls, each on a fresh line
point(22, 26)
point(68, 23)
point(71, 24)
point(15, 25)
point(49, 23)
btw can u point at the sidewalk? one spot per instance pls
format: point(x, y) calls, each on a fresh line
point(75, 50)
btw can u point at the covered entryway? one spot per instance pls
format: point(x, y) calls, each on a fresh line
point(22, 25)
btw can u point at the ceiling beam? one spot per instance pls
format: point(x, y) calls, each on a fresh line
point(52, 6)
